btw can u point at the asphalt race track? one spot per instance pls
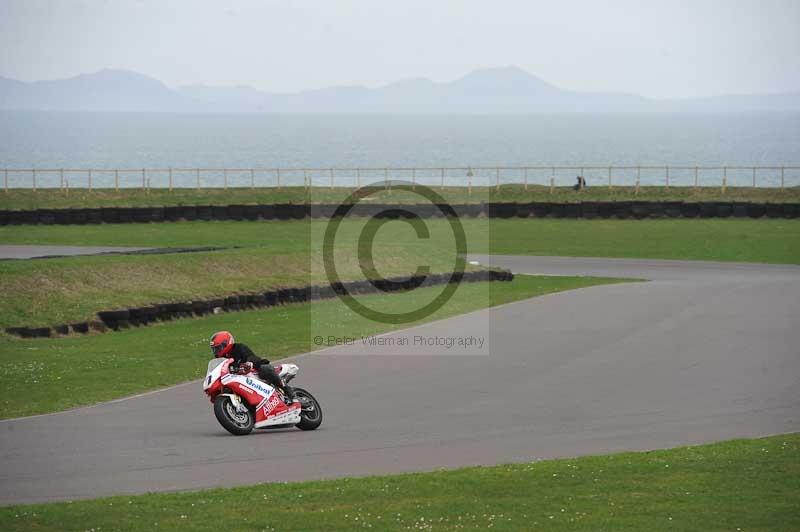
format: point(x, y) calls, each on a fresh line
point(703, 352)
point(35, 252)
point(16, 252)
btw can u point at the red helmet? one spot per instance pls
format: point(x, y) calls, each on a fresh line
point(221, 343)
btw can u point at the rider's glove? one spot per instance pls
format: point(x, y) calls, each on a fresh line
point(245, 367)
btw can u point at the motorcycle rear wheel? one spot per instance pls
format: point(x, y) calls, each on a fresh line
point(237, 423)
point(310, 413)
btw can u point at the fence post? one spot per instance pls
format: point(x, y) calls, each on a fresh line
point(413, 179)
point(197, 177)
point(331, 178)
point(724, 178)
point(144, 180)
point(225, 177)
point(386, 180)
point(170, 179)
point(609, 178)
point(252, 178)
point(305, 179)
point(442, 187)
point(5, 180)
point(754, 177)
point(695, 177)
point(638, 179)
point(552, 184)
point(782, 169)
point(34, 179)
point(147, 190)
point(278, 177)
point(666, 177)
point(526, 179)
point(358, 177)
point(469, 181)
point(116, 180)
point(90, 179)
point(61, 179)
point(497, 180)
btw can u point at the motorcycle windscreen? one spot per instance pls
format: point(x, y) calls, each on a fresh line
point(213, 363)
point(213, 371)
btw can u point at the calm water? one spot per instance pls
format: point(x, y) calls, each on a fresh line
point(154, 140)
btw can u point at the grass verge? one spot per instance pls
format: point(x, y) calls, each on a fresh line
point(71, 289)
point(739, 240)
point(47, 375)
point(733, 239)
point(47, 292)
point(734, 485)
point(22, 199)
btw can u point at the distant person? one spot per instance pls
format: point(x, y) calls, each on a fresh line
point(580, 183)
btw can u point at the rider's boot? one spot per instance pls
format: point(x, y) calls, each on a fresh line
point(288, 393)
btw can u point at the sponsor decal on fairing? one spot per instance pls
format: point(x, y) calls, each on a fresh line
point(272, 403)
point(258, 386)
point(288, 417)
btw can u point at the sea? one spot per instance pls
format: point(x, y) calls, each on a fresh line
point(471, 148)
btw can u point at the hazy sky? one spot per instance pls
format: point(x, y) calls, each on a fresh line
point(671, 48)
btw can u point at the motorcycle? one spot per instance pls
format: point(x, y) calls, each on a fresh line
point(242, 401)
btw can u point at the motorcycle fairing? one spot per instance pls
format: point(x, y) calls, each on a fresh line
point(269, 406)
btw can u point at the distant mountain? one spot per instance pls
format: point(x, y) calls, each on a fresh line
point(104, 90)
point(494, 90)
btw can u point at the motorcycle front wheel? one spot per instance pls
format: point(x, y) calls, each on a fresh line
point(310, 411)
point(236, 422)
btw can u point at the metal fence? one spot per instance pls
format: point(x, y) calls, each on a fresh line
point(610, 176)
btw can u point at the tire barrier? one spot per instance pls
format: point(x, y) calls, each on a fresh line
point(640, 210)
point(290, 211)
point(219, 212)
point(774, 210)
point(573, 210)
point(590, 209)
point(623, 210)
point(116, 320)
point(672, 209)
point(172, 214)
point(690, 210)
point(30, 332)
point(724, 210)
point(605, 209)
point(540, 210)
point(558, 210)
point(81, 327)
point(708, 210)
point(657, 209)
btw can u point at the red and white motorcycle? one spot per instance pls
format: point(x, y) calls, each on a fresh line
point(243, 402)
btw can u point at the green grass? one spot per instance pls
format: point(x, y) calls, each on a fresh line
point(55, 374)
point(20, 199)
point(52, 291)
point(740, 240)
point(771, 240)
point(748, 485)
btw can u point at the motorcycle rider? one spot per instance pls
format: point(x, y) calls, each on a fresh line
point(223, 345)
